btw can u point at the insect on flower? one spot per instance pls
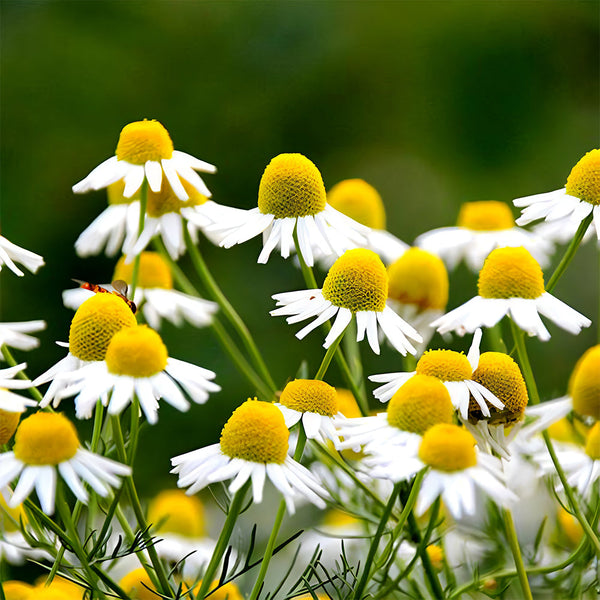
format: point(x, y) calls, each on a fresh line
point(119, 286)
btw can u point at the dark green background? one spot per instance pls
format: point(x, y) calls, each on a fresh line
point(434, 103)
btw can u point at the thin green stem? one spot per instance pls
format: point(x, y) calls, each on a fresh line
point(227, 309)
point(10, 360)
point(307, 272)
point(569, 253)
point(513, 542)
point(328, 356)
point(352, 354)
point(142, 220)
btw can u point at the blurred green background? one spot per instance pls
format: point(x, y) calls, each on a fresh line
point(434, 103)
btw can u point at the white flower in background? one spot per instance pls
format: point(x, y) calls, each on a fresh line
point(11, 405)
point(11, 253)
point(355, 287)
point(16, 335)
point(482, 227)
point(511, 283)
point(577, 200)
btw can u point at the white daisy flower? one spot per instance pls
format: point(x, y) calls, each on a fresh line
point(561, 231)
point(291, 197)
point(16, 335)
point(145, 152)
point(47, 444)
point(356, 286)
point(154, 296)
point(136, 363)
point(253, 446)
point(577, 200)
point(11, 253)
point(11, 405)
point(482, 226)
point(511, 283)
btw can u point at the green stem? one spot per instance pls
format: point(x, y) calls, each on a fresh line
point(513, 542)
point(352, 352)
point(142, 219)
point(307, 272)
point(227, 309)
point(328, 356)
point(11, 362)
point(569, 253)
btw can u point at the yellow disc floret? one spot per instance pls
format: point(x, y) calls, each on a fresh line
point(569, 529)
point(592, 444)
point(448, 448)
point(446, 365)
point(511, 273)
point(584, 180)
point(584, 385)
point(18, 590)
point(485, 215)
point(165, 201)
point(154, 272)
point(570, 431)
point(138, 585)
point(419, 404)
point(115, 193)
point(136, 352)
point(173, 511)
point(310, 395)
point(228, 591)
point(357, 281)
point(419, 277)
point(358, 200)
point(8, 422)
point(291, 186)
point(347, 404)
point(436, 556)
point(500, 374)
point(141, 141)
point(45, 439)
point(95, 323)
point(256, 432)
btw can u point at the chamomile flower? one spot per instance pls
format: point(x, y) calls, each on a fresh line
point(12, 405)
point(578, 199)
point(46, 444)
point(356, 286)
point(16, 335)
point(291, 196)
point(154, 295)
point(136, 363)
point(92, 328)
point(145, 152)
point(454, 369)
point(511, 283)
point(482, 226)
point(313, 402)
point(253, 446)
point(11, 253)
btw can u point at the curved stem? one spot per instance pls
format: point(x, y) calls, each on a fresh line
point(328, 356)
point(513, 542)
point(142, 219)
point(11, 362)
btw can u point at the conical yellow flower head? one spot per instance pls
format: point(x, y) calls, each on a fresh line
point(570, 431)
point(136, 352)
point(584, 385)
point(569, 529)
point(173, 511)
point(485, 215)
point(59, 589)
point(592, 445)
point(500, 374)
point(256, 432)
point(448, 448)
point(511, 273)
point(446, 365)
point(45, 439)
point(419, 277)
point(358, 200)
point(154, 272)
point(165, 201)
point(291, 186)
point(141, 141)
point(419, 404)
point(347, 404)
point(8, 423)
point(138, 585)
point(18, 590)
point(584, 180)
point(310, 395)
point(357, 281)
point(115, 193)
point(95, 323)
point(229, 591)
point(436, 556)
point(9, 517)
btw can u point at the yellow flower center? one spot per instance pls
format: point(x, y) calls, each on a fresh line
point(173, 511)
point(9, 517)
point(511, 273)
point(141, 141)
point(18, 590)
point(154, 272)
point(138, 585)
point(165, 201)
point(338, 518)
point(436, 556)
point(229, 591)
point(358, 200)
point(357, 281)
point(584, 179)
point(256, 432)
point(95, 323)
point(419, 404)
point(592, 445)
point(291, 186)
point(115, 193)
point(310, 395)
point(347, 404)
point(569, 527)
point(419, 277)
point(446, 365)
point(8, 423)
point(45, 439)
point(569, 431)
point(485, 215)
point(448, 448)
point(136, 352)
point(584, 385)
point(500, 374)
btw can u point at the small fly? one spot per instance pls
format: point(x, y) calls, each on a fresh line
point(119, 286)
